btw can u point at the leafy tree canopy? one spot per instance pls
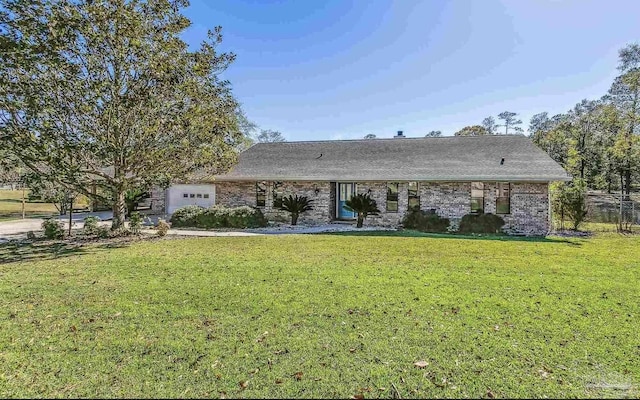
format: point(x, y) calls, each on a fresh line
point(473, 130)
point(107, 91)
point(270, 136)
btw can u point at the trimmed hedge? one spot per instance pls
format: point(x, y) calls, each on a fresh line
point(425, 221)
point(186, 216)
point(218, 217)
point(481, 223)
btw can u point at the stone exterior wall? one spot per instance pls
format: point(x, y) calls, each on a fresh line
point(448, 199)
point(157, 200)
point(235, 194)
point(529, 202)
point(529, 209)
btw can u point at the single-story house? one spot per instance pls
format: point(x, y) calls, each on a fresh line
point(454, 176)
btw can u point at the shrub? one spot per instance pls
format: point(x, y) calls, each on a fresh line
point(120, 232)
point(363, 205)
point(135, 223)
point(481, 223)
point(186, 216)
point(53, 229)
point(162, 227)
point(223, 217)
point(103, 232)
point(425, 221)
point(91, 225)
point(568, 201)
point(31, 235)
point(296, 206)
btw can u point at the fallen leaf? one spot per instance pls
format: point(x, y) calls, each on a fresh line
point(243, 384)
point(358, 396)
point(352, 350)
point(496, 328)
point(490, 394)
point(298, 375)
point(278, 381)
point(421, 364)
point(73, 328)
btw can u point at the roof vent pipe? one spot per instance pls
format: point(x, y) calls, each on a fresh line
point(399, 135)
point(502, 161)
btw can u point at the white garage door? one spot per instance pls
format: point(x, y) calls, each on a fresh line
point(186, 195)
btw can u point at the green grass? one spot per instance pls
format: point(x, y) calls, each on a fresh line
point(11, 206)
point(323, 316)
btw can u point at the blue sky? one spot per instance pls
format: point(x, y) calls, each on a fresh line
point(340, 69)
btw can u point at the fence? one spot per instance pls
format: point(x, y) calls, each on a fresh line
point(606, 211)
point(610, 208)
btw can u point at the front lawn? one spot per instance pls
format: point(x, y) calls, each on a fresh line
point(323, 316)
point(11, 206)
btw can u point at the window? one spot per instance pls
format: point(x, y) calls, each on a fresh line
point(185, 195)
point(414, 196)
point(477, 197)
point(277, 194)
point(199, 195)
point(392, 197)
point(206, 195)
point(192, 195)
point(503, 198)
point(261, 194)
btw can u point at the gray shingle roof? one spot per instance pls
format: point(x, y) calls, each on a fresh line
point(399, 159)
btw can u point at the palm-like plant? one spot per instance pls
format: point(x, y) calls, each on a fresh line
point(363, 205)
point(296, 205)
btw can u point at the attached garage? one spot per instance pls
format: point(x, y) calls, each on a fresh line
point(186, 195)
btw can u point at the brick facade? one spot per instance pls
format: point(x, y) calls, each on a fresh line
point(529, 213)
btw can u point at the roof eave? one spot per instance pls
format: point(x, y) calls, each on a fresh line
point(391, 179)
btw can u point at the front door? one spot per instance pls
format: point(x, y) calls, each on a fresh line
point(345, 191)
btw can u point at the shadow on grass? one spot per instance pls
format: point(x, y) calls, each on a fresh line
point(417, 234)
point(17, 251)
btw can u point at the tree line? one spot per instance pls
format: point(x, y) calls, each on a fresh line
point(598, 141)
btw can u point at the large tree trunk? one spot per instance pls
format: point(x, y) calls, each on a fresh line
point(119, 211)
point(360, 220)
point(294, 219)
point(627, 184)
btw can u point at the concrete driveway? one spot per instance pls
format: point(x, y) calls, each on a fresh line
point(16, 228)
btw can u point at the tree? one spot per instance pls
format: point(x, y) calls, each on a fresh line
point(625, 95)
point(434, 134)
point(569, 201)
point(108, 92)
point(473, 130)
point(62, 196)
point(363, 205)
point(539, 124)
point(296, 205)
point(510, 122)
point(247, 128)
point(490, 125)
point(370, 136)
point(11, 170)
point(133, 197)
point(269, 136)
